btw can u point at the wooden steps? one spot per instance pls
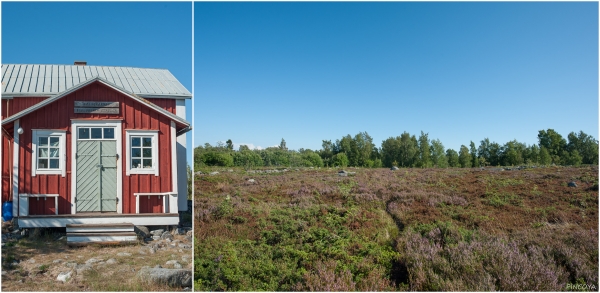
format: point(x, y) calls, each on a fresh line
point(83, 234)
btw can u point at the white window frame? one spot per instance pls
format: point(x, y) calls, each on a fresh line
point(155, 165)
point(62, 155)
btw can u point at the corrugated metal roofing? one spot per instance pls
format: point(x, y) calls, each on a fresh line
point(48, 80)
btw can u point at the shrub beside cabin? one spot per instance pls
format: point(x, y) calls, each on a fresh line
point(93, 145)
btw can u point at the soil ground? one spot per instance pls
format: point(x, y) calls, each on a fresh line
point(34, 262)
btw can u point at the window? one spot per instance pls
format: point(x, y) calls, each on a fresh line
point(96, 133)
point(48, 152)
point(142, 152)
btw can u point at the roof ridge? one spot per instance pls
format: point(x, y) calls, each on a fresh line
point(85, 65)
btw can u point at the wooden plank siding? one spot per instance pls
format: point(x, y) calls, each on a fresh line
point(58, 115)
point(7, 157)
point(16, 105)
point(151, 204)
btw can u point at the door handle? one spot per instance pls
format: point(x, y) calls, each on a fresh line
point(99, 166)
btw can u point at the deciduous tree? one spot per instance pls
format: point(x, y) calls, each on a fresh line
point(464, 158)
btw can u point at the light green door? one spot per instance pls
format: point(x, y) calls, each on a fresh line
point(108, 176)
point(96, 176)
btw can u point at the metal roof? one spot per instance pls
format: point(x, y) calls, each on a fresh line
point(49, 80)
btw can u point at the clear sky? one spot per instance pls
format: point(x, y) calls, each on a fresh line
point(140, 34)
point(461, 72)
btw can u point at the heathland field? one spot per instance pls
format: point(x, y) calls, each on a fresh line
point(409, 229)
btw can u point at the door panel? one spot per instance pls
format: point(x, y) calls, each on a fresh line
point(108, 178)
point(96, 176)
point(87, 176)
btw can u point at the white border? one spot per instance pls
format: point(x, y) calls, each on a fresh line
point(24, 202)
point(155, 164)
point(164, 195)
point(16, 163)
point(119, 138)
point(52, 221)
point(62, 157)
point(173, 202)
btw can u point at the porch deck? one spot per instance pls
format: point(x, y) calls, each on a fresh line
point(61, 221)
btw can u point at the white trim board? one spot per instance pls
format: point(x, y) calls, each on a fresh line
point(15, 179)
point(24, 202)
point(182, 163)
point(173, 202)
point(61, 222)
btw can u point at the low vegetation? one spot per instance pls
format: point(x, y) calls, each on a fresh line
point(435, 229)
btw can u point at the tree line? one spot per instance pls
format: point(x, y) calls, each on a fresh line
point(407, 151)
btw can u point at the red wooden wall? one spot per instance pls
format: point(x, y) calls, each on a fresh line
point(58, 115)
point(7, 145)
point(16, 105)
point(151, 204)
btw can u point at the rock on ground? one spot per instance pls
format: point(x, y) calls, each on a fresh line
point(171, 277)
point(157, 232)
point(63, 277)
point(142, 231)
point(82, 268)
point(167, 235)
point(93, 260)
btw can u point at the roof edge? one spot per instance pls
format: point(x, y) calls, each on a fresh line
point(86, 83)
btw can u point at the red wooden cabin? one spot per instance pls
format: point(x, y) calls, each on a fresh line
point(93, 145)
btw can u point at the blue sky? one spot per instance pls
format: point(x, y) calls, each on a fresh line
point(140, 34)
point(458, 71)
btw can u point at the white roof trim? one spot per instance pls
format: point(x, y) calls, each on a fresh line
point(85, 83)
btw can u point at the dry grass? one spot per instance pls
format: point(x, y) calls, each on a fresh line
point(37, 270)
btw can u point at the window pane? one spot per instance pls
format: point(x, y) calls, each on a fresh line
point(96, 132)
point(42, 163)
point(43, 141)
point(147, 141)
point(84, 133)
point(147, 163)
point(135, 141)
point(53, 163)
point(147, 153)
point(109, 133)
point(43, 152)
point(54, 152)
point(54, 141)
point(136, 152)
point(136, 163)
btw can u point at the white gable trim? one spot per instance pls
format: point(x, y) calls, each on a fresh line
point(85, 83)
